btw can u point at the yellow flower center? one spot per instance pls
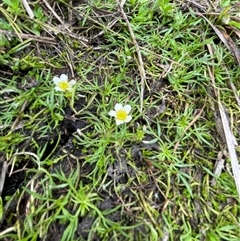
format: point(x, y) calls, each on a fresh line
point(121, 115)
point(63, 85)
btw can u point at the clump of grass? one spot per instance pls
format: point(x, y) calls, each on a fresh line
point(153, 177)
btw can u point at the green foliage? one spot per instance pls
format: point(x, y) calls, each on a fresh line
point(10, 140)
point(158, 169)
point(165, 6)
point(13, 7)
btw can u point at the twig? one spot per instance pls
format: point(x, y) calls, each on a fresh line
point(2, 176)
point(53, 12)
point(28, 9)
point(218, 168)
point(230, 140)
point(109, 26)
point(42, 39)
point(234, 89)
point(228, 135)
point(226, 39)
point(141, 66)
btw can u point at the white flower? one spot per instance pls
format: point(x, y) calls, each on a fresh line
point(62, 83)
point(121, 113)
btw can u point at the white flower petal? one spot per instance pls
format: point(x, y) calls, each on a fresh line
point(72, 82)
point(129, 117)
point(56, 80)
point(127, 108)
point(58, 88)
point(119, 122)
point(112, 113)
point(63, 77)
point(118, 106)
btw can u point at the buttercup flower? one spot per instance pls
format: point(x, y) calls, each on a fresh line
point(121, 113)
point(62, 83)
